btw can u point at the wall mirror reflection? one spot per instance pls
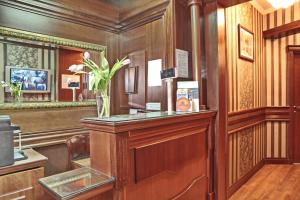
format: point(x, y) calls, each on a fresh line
point(39, 63)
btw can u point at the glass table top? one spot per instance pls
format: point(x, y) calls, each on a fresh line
point(140, 116)
point(72, 183)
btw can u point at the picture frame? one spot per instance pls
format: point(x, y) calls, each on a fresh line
point(69, 81)
point(131, 74)
point(246, 43)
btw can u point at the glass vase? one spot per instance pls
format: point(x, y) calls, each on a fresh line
point(103, 106)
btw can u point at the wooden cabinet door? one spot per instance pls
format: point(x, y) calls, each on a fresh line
point(24, 194)
point(22, 185)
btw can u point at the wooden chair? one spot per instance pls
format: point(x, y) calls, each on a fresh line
point(78, 148)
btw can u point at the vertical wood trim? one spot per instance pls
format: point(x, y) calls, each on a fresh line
point(2, 71)
point(52, 66)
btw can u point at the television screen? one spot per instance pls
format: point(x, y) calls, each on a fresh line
point(33, 80)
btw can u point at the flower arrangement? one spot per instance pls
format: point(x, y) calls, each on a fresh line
point(101, 77)
point(14, 88)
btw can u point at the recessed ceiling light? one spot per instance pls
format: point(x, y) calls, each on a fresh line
point(281, 3)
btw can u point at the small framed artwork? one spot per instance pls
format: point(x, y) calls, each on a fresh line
point(69, 81)
point(131, 74)
point(246, 43)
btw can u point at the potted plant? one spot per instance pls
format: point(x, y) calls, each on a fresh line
point(101, 79)
point(14, 88)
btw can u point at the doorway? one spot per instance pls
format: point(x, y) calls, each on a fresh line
point(293, 87)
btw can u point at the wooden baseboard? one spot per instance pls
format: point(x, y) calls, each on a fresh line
point(232, 189)
point(277, 161)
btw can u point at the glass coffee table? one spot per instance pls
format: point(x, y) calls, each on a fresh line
point(82, 183)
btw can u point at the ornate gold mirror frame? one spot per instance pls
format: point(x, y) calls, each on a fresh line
point(25, 35)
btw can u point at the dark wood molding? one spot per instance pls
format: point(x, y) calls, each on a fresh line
point(283, 30)
point(62, 12)
point(245, 119)
point(277, 161)
point(48, 138)
point(277, 113)
point(114, 20)
point(241, 120)
point(293, 48)
point(144, 14)
point(226, 3)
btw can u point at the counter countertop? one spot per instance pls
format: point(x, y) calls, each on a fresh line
point(119, 119)
point(37, 105)
point(34, 160)
point(123, 123)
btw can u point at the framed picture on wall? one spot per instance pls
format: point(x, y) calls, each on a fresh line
point(246, 43)
point(69, 81)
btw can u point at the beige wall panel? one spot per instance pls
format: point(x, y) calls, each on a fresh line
point(268, 140)
point(276, 74)
point(288, 15)
point(268, 71)
point(276, 140)
point(283, 140)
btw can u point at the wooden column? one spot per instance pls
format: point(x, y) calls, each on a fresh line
point(215, 46)
point(194, 6)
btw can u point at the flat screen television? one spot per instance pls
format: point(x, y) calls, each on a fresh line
point(33, 80)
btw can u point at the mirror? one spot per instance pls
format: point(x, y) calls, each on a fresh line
point(40, 61)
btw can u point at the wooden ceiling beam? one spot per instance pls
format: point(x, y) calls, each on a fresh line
point(283, 30)
point(227, 3)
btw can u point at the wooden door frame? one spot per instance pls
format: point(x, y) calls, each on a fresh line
point(291, 51)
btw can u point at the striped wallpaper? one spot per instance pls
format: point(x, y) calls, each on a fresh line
point(246, 91)
point(258, 84)
point(245, 78)
point(246, 150)
point(276, 62)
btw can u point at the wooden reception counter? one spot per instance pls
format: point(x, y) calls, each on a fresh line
point(155, 155)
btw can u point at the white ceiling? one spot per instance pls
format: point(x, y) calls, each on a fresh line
point(263, 6)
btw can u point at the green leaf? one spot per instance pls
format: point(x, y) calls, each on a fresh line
point(104, 62)
point(117, 66)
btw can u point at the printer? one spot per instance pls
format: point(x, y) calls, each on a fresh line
point(7, 140)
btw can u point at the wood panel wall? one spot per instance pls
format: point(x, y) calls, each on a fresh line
point(151, 38)
point(158, 39)
point(67, 58)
